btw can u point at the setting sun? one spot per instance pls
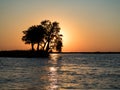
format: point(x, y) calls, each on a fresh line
point(66, 37)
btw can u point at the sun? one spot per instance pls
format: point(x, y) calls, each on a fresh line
point(65, 38)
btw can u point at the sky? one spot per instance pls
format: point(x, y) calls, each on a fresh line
point(87, 25)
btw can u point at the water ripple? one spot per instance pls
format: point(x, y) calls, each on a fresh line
point(61, 72)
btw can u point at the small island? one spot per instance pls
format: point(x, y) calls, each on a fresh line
point(47, 37)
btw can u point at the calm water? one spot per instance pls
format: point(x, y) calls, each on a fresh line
point(61, 72)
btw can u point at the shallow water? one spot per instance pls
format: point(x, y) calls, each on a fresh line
point(61, 72)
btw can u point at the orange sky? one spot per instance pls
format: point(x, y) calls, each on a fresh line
point(87, 25)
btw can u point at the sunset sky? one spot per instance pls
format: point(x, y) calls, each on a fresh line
point(87, 25)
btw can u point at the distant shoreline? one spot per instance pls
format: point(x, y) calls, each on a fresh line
point(29, 54)
point(91, 52)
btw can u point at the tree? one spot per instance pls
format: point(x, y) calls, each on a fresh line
point(33, 35)
point(53, 36)
point(40, 34)
point(28, 36)
point(46, 35)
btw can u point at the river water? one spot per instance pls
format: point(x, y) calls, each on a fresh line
point(61, 72)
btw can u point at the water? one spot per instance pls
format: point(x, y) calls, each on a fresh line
point(61, 72)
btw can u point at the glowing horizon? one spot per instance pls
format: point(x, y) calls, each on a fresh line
point(86, 25)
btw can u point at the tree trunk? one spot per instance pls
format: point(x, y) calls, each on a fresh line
point(48, 42)
point(32, 45)
point(38, 46)
point(44, 46)
point(47, 48)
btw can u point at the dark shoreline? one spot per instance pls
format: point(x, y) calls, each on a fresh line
point(23, 53)
point(30, 54)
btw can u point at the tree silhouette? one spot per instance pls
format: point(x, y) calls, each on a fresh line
point(46, 35)
point(40, 34)
point(33, 35)
point(28, 37)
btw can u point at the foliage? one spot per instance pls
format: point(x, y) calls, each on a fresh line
point(46, 35)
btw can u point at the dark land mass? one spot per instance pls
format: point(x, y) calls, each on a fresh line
point(30, 54)
point(24, 53)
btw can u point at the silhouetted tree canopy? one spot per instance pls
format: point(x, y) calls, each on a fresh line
point(46, 35)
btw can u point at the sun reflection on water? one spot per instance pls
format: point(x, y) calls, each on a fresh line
point(54, 58)
point(53, 75)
